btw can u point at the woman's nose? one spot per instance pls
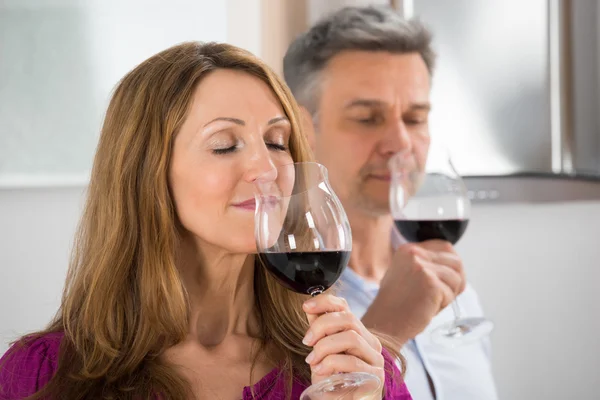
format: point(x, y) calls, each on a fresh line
point(261, 168)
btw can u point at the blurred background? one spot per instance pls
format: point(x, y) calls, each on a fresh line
point(516, 93)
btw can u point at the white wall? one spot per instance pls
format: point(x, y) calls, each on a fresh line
point(536, 269)
point(36, 231)
point(244, 24)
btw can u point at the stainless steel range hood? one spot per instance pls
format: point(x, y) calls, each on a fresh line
point(516, 95)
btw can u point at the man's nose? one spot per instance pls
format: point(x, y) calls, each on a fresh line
point(397, 140)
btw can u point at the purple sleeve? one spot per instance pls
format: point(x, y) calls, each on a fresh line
point(395, 388)
point(26, 367)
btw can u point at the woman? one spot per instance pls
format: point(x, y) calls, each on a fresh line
point(164, 298)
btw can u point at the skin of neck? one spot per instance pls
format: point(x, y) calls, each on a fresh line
point(371, 243)
point(220, 286)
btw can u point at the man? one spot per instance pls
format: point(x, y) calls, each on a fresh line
point(363, 76)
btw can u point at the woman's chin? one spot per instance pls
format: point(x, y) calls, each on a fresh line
point(244, 247)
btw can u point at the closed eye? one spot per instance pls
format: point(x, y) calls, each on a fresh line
point(276, 146)
point(273, 146)
point(373, 120)
point(225, 150)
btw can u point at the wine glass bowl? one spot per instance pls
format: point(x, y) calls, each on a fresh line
point(302, 233)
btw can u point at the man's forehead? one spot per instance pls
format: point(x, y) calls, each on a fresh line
point(371, 73)
point(382, 62)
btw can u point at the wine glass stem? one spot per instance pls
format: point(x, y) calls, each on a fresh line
point(456, 309)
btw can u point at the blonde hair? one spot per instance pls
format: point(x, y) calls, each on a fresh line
point(124, 302)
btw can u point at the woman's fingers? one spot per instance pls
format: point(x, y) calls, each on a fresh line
point(343, 363)
point(325, 303)
point(334, 316)
point(348, 342)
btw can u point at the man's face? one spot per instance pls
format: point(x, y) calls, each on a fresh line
point(372, 105)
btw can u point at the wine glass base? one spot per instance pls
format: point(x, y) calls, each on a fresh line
point(462, 331)
point(355, 386)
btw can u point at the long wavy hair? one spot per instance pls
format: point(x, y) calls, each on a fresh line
point(124, 303)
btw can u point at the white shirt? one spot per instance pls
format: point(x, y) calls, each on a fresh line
point(462, 373)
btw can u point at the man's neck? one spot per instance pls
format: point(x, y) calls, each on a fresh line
point(371, 244)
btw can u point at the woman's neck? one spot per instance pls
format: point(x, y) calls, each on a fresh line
point(220, 287)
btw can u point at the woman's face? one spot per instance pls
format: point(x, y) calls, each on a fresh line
point(235, 131)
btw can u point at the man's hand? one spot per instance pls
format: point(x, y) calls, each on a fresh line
point(423, 279)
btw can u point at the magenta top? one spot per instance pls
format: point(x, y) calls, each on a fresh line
point(26, 369)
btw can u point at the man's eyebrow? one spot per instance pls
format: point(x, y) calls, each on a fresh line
point(364, 103)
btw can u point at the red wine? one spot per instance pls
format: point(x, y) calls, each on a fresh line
point(420, 230)
point(305, 272)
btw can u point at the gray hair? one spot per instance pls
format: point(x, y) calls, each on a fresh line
point(373, 28)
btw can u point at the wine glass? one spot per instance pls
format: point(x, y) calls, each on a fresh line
point(304, 241)
point(434, 204)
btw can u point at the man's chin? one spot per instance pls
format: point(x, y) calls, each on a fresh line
point(380, 211)
point(374, 206)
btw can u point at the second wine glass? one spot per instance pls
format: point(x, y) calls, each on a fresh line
point(304, 241)
point(434, 204)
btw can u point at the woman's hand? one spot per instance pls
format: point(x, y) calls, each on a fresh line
point(340, 341)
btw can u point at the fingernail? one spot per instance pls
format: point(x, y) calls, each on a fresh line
point(310, 304)
point(310, 357)
point(317, 367)
point(308, 338)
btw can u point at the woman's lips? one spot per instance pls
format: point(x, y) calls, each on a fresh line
point(246, 205)
point(250, 204)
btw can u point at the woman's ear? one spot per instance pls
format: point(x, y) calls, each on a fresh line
point(307, 126)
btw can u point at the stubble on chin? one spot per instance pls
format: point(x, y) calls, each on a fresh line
point(365, 202)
